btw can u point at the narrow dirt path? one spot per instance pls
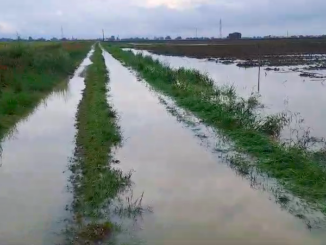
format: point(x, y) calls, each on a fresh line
point(196, 199)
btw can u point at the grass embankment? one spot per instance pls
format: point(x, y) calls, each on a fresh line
point(95, 183)
point(29, 72)
point(221, 108)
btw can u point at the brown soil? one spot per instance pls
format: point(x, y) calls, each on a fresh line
point(271, 52)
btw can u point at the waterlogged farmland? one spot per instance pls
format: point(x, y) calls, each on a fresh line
point(195, 197)
point(34, 155)
point(125, 150)
point(298, 169)
point(28, 73)
point(281, 90)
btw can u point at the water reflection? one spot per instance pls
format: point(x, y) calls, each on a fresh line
point(33, 187)
point(224, 150)
point(196, 198)
point(61, 90)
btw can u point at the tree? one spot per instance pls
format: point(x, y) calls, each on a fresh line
point(168, 38)
point(30, 39)
point(178, 38)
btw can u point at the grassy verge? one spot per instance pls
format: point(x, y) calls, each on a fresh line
point(294, 166)
point(30, 72)
point(95, 183)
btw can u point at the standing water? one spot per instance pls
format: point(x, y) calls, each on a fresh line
point(195, 198)
point(280, 91)
point(33, 186)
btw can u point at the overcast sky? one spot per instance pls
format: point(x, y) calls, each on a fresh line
point(86, 18)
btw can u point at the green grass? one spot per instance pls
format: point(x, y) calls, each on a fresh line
point(95, 183)
point(294, 166)
point(28, 73)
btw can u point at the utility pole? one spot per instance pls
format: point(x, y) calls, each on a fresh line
point(103, 34)
point(61, 32)
point(259, 60)
point(221, 28)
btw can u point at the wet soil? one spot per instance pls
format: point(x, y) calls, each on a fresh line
point(282, 52)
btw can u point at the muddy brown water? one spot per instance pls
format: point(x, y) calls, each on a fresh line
point(280, 91)
point(195, 197)
point(32, 183)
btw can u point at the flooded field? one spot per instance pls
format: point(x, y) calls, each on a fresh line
point(188, 192)
point(194, 196)
point(34, 158)
point(280, 91)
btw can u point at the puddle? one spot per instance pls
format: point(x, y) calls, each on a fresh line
point(280, 91)
point(194, 196)
point(33, 186)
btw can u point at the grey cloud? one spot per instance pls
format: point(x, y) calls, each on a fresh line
point(133, 17)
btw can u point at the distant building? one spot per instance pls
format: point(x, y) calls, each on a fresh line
point(234, 35)
point(112, 38)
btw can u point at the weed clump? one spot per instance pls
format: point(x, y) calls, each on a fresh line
point(94, 233)
point(273, 124)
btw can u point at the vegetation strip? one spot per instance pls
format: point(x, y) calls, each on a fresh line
point(296, 168)
point(95, 183)
point(28, 72)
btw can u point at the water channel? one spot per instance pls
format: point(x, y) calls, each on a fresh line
point(33, 184)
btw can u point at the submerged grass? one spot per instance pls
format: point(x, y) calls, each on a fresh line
point(94, 181)
point(30, 72)
point(294, 166)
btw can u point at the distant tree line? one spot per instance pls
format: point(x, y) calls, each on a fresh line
point(31, 39)
point(167, 38)
point(157, 38)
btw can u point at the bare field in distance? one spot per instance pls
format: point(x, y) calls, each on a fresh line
point(272, 52)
